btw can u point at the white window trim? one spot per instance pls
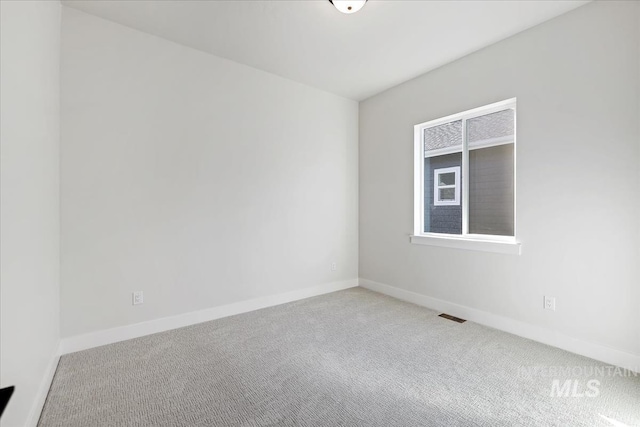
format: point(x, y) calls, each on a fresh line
point(455, 186)
point(486, 243)
point(443, 151)
point(493, 142)
point(482, 243)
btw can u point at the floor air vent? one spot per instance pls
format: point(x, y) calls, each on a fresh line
point(455, 319)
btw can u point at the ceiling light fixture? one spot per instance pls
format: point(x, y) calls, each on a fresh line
point(348, 6)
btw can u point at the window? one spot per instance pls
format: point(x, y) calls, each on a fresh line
point(465, 179)
point(446, 186)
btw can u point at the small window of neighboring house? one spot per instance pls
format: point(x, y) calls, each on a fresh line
point(465, 176)
point(446, 186)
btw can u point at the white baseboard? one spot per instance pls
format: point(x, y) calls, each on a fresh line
point(109, 336)
point(556, 339)
point(43, 390)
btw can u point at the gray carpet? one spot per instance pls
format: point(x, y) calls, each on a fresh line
point(350, 358)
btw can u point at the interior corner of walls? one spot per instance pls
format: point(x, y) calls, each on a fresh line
point(43, 389)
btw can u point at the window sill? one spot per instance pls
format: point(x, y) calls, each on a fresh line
point(501, 245)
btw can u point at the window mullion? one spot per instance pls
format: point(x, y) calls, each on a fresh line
point(465, 179)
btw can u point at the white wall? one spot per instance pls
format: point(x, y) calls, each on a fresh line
point(29, 224)
point(200, 181)
point(577, 81)
point(638, 175)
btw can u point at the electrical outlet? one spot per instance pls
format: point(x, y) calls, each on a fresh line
point(550, 303)
point(138, 297)
point(334, 266)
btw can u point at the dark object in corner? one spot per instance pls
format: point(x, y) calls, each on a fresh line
point(455, 319)
point(5, 395)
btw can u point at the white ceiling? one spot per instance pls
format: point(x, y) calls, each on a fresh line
point(309, 41)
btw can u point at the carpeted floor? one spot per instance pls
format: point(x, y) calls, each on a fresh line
point(350, 358)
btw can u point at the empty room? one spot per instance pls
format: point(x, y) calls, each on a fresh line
point(319, 213)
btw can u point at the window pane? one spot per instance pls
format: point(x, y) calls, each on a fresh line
point(491, 191)
point(491, 128)
point(447, 194)
point(448, 135)
point(447, 178)
point(441, 219)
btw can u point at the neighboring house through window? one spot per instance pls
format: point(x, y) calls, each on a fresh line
point(465, 175)
point(446, 186)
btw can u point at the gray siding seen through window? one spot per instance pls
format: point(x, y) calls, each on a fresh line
point(491, 190)
point(440, 219)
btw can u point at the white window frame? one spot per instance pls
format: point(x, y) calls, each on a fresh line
point(455, 186)
point(480, 242)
